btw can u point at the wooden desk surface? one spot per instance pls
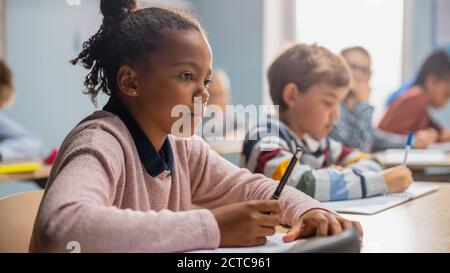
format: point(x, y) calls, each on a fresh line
point(420, 225)
point(42, 173)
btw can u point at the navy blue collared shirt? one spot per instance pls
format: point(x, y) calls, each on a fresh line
point(154, 162)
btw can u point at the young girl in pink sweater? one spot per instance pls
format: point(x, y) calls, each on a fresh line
point(123, 182)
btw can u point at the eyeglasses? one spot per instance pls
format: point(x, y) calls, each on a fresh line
point(363, 70)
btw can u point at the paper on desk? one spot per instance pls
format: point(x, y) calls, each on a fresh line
point(445, 146)
point(415, 156)
point(376, 204)
point(274, 244)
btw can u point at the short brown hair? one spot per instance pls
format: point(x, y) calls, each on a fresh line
point(359, 49)
point(305, 66)
point(6, 84)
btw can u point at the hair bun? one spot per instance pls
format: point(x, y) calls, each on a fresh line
point(117, 9)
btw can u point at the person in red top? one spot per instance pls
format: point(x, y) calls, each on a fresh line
point(409, 112)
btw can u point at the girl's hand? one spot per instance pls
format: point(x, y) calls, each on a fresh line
point(318, 222)
point(445, 135)
point(425, 137)
point(247, 223)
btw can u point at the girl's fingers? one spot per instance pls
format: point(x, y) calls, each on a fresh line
point(269, 220)
point(358, 227)
point(294, 233)
point(260, 241)
point(322, 226)
point(266, 231)
point(267, 206)
point(334, 224)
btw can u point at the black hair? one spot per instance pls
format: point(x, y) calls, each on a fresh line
point(6, 78)
point(437, 64)
point(127, 35)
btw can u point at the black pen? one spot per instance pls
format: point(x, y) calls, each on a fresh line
point(284, 179)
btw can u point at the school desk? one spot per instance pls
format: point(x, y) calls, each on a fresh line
point(424, 172)
point(39, 175)
point(416, 166)
point(420, 225)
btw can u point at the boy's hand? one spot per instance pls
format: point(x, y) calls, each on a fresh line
point(397, 179)
point(318, 222)
point(361, 91)
point(247, 223)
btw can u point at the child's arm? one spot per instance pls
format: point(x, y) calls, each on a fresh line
point(15, 142)
point(78, 206)
point(326, 184)
point(353, 126)
point(396, 179)
point(216, 182)
point(384, 140)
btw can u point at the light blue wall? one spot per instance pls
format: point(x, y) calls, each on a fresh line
point(422, 45)
point(42, 36)
point(235, 31)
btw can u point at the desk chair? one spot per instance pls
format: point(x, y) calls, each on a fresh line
point(17, 215)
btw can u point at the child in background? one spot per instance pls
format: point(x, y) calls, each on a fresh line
point(123, 183)
point(308, 84)
point(218, 122)
point(354, 127)
point(409, 112)
point(16, 143)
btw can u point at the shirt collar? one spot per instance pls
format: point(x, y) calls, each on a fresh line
point(154, 162)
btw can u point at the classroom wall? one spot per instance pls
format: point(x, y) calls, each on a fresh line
point(2, 26)
point(235, 31)
point(420, 44)
point(41, 37)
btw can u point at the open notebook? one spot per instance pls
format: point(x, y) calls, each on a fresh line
point(345, 242)
point(415, 156)
point(274, 244)
point(376, 204)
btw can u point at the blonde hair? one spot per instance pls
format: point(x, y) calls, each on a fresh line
point(306, 66)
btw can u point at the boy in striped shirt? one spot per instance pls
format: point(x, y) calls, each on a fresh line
point(308, 83)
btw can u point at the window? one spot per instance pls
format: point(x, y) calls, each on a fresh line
point(376, 25)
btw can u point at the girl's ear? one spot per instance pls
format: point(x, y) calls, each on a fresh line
point(290, 94)
point(127, 81)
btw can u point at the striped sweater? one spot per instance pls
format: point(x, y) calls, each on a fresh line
point(269, 147)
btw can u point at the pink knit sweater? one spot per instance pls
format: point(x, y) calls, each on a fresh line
point(100, 195)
